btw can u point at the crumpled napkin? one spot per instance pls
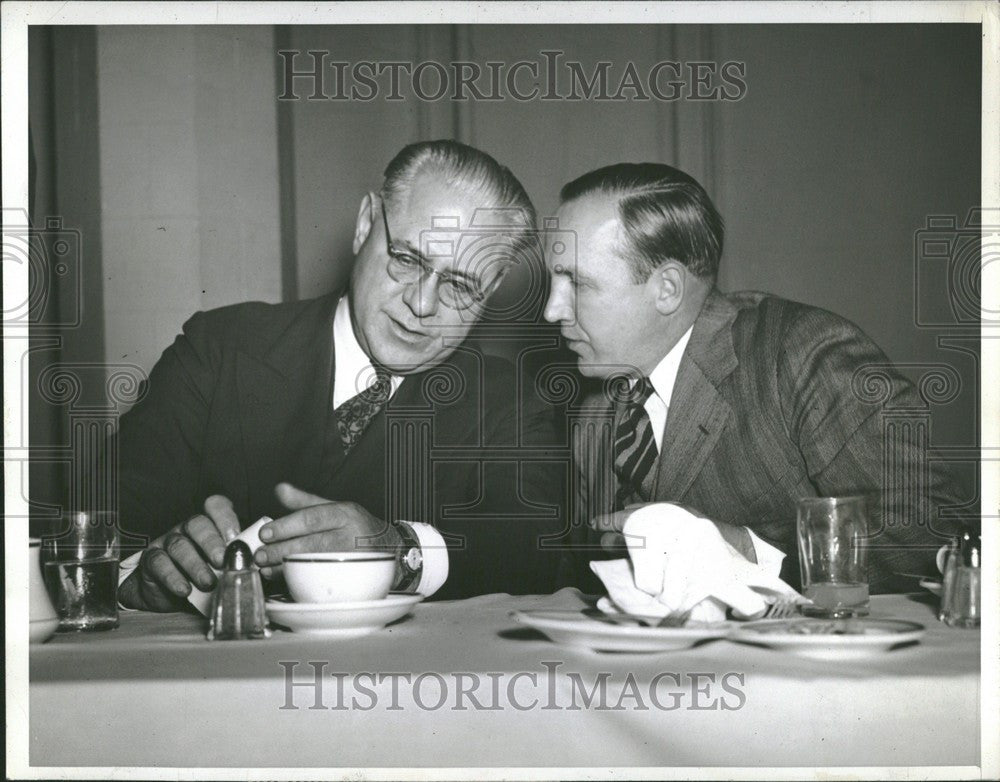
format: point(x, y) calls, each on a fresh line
point(680, 562)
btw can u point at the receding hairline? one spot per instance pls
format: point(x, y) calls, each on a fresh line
point(645, 198)
point(475, 170)
point(431, 178)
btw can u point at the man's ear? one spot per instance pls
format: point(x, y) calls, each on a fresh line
point(669, 282)
point(363, 227)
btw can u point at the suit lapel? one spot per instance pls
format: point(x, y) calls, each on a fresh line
point(285, 395)
point(698, 413)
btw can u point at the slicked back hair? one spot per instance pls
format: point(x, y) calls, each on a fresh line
point(458, 163)
point(505, 201)
point(665, 214)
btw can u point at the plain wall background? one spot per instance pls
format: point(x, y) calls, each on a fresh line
point(194, 187)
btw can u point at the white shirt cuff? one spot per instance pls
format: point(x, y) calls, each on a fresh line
point(768, 557)
point(434, 571)
point(125, 569)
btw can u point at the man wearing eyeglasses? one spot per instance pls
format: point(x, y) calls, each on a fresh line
point(356, 421)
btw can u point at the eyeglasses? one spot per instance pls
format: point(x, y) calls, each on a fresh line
point(454, 292)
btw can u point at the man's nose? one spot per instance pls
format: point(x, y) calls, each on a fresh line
point(421, 296)
point(557, 307)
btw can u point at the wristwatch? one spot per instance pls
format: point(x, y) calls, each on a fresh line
point(410, 559)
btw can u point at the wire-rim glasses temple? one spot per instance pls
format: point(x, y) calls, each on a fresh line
point(408, 268)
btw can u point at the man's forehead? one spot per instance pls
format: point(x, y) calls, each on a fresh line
point(431, 199)
point(590, 214)
point(586, 226)
point(478, 255)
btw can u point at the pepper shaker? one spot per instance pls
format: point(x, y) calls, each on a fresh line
point(238, 603)
point(961, 593)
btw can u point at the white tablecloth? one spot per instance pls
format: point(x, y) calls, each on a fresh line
point(155, 693)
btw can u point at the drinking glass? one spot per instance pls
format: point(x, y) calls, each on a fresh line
point(832, 535)
point(81, 570)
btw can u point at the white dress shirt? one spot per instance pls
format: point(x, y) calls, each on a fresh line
point(663, 378)
point(354, 370)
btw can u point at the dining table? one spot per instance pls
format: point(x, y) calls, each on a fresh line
point(466, 684)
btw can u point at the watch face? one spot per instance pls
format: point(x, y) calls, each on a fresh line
point(413, 559)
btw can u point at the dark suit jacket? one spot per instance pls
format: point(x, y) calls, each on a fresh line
point(243, 400)
point(774, 401)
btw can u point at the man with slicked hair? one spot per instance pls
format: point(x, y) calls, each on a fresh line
point(732, 405)
point(356, 420)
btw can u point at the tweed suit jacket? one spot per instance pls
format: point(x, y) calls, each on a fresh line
point(774, 401)
point(243, 400)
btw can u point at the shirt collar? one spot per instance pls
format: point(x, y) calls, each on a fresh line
point(352, 362)
point(664, 375)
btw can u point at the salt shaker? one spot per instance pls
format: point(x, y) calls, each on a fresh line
point(961, 592)
point(238, 602)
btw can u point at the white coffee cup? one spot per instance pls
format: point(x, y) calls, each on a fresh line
point(339, 576)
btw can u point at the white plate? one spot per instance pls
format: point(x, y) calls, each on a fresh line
point(340, 620)
point(574, 628)
point(829, 639)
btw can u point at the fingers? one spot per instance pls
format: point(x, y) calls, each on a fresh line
point(334, 526)
point(341, 526)
point(296, 499)
point(156, 585)
point(214, 531)
point(307, 521)
point(314, 528)
point(169, 567)
point(205, 535)
point(270, 556)
point(134, 594)
point(157, 571)
point(220, 510)
point(187, 561)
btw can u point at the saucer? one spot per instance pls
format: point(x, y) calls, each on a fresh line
point(599, 634)
point(830, 639)
point(340, 620)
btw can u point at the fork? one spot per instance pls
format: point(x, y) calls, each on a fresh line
point(782, 608)
point(781, 605)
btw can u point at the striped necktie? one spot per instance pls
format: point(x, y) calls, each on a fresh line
point(354, 415)
point(635, 449)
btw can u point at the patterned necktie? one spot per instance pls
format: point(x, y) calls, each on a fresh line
point(635, 449)
point(354, 415)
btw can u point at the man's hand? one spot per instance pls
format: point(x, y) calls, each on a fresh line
point(173, 562)
point(612, 539)
point(318, 524)
point(610, 526)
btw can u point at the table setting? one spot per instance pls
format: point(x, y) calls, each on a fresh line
point(691, 656)
point(682, 584)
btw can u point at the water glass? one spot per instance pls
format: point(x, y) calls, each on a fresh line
point(832, 537)
point(80, 565)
